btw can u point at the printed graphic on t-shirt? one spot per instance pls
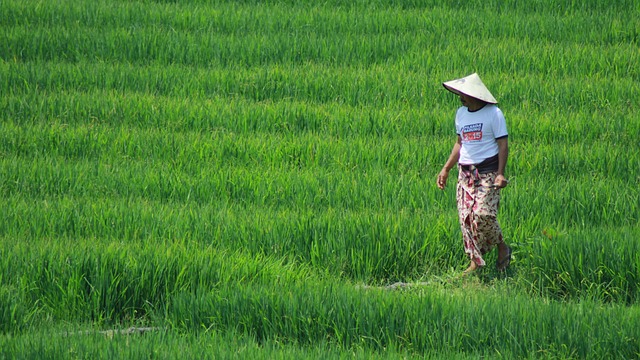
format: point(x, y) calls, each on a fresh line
point(472, 132)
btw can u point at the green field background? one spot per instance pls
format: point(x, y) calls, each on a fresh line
point(247, 178)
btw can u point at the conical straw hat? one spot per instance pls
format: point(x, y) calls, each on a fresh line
point(472, 86)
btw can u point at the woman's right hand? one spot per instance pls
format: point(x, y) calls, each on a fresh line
point(442, 178)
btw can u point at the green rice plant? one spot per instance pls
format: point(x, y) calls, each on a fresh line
point(15, 315)
point(233, 168)
point(119, 343)
point(584, 264)
point(105, 283)
point(434, 321)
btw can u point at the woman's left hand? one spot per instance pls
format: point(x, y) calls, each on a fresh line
point(500, 182)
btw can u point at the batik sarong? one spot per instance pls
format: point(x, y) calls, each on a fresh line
point(478, 204)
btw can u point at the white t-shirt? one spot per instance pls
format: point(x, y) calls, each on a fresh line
point(478, 131)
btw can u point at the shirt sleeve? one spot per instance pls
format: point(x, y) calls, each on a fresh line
point(458, 130)
point(499, 125)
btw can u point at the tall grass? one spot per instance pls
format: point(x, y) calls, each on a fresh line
point(240, 168)
point(197, 288)
point(441, 321)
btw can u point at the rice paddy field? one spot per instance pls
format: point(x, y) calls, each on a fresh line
point(257, 179)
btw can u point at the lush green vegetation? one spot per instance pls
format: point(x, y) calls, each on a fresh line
point(246, 178)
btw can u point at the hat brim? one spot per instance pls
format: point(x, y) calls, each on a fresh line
point(471, 86)
point(457, 92)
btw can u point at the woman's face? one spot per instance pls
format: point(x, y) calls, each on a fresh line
point(470, 102)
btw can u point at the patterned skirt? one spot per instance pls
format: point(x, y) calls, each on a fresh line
point(478, 204)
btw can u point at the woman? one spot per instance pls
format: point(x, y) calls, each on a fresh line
point(481, 152)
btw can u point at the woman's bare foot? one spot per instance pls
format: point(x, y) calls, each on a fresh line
point(472, 267)
point(504, 257)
